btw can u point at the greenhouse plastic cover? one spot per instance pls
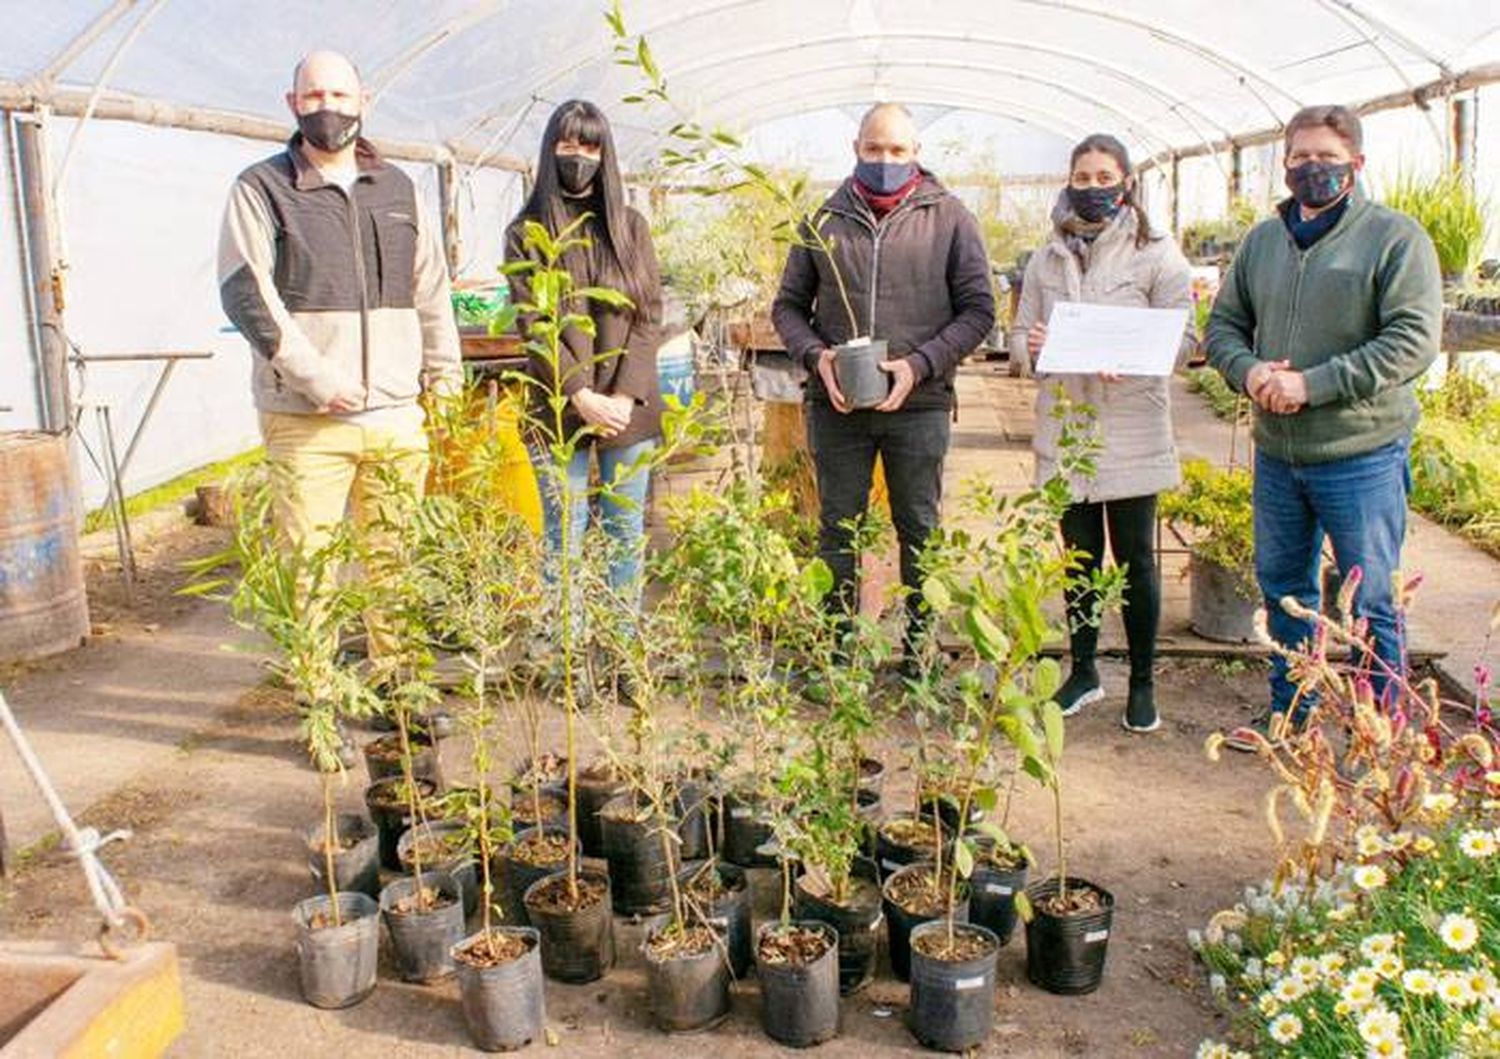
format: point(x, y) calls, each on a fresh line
point(141, 204)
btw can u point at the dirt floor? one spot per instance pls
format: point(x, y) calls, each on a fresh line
point(217, 862)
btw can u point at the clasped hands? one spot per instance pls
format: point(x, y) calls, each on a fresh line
point(608, 414)
point(1276, 387)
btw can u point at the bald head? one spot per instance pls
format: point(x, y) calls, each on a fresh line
point(887, 133)
point(325, 80)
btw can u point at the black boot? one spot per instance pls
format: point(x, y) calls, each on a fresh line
point(1140, 709)
point(1081, 688)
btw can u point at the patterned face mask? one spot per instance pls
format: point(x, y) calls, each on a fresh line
point(1316, 184)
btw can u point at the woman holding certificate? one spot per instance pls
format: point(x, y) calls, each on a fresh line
point(1104, 252)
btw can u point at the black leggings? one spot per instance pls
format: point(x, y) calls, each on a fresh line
point(1132, 530)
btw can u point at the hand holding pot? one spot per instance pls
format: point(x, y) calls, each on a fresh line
point(903, 378)
point(831, 380)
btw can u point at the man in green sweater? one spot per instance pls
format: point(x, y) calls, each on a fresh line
point(1330, 313)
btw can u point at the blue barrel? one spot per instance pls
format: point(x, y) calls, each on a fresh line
point(43, 608)
point(674, 368)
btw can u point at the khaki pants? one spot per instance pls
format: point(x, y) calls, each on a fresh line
point(333, 466)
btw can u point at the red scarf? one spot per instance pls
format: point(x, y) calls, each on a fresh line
point(879, 204)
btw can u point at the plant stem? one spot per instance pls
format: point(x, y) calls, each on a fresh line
point(413, 801)
point(330, 841)
point(1062, 861)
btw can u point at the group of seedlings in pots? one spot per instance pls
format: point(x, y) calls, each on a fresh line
point(732, 721)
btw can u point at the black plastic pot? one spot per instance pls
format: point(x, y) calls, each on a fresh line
point(947, 811)
point(577, 945)
point(871, 811)
point(899, 922)
point(422, 941)
point(518, 875)
point(382, 758)
point(856, 365)
point(992, 897)
point(336, 965)
point(952, 1001)
point(554, 810)
point(1065, 954)
point(893, 855)
point(389, 815)
point(800, 1002)
point(640, 875)
point(460, 864)
point(689, 992)
point(594, 792)
point(731, 911)
point(745, 831)
point(858, 924)
point(355, 867)
point(697, 818)
point(505, 1005)
point(871, 774)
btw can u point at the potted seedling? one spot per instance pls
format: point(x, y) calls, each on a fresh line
point(1215, 504)
point(989, 586)
point(297, 599)
point(711, 158)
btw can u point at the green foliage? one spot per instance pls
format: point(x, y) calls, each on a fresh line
point(1456, 458)
point(1221, 235)
point(1215, 502)
point(495, 314)
point(1451, 213)
point(1210, 385)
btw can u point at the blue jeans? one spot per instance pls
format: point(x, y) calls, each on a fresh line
point(622, 510)
point(1360, 502)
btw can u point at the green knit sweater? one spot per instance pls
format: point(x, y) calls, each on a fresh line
point(1359, 313)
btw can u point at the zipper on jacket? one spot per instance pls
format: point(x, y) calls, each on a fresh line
point(877, 230)
point(364, 300)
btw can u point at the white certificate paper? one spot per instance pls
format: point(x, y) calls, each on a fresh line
point(1085, 339)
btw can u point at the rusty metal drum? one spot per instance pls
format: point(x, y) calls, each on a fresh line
point(43, 608)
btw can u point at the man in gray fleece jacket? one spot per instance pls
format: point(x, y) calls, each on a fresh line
point(331, 274)
point(909, 267)
point(1330, 313)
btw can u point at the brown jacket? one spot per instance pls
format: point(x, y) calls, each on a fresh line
point(336, 291)
point(919, 278)
point(624, 340)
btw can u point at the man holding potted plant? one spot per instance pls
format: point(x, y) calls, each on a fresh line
point(885, 291)
point(330, 271)
point(1330, 313)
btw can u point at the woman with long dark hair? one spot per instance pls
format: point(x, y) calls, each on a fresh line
point(1104, 251)
point(610, 377)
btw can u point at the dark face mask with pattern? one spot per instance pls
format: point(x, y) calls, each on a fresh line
point(1317, 184)
point(328, 130)
point(1096, 204)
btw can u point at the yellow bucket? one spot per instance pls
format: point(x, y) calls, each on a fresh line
point(511, 483)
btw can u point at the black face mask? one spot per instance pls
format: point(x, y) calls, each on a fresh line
point(575, 172)
point(1097, 204)
point(1317, 184)
point(328, 130)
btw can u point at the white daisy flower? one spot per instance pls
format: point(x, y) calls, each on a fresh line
point(1419, 981)
point(1393, 1048)
point(1477, 845)
point(1213, 1050)
point(1377, 945)
point(1357, 994)
point(1454, 990)
point(1458, 932)
point(1290, 989)
point(1331, 963)
point(1389, 965)
point(1379, 1024)
point(1285, 1028)
point(1306, 968)
point(1369, 877)
point(1439, 804)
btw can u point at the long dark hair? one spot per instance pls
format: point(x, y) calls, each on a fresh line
point(1104, 143)
point(615, 253)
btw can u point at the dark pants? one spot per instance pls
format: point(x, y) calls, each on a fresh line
point(911, 446)
point(1132, 530)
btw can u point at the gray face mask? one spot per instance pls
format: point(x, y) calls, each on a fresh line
point(328, 130)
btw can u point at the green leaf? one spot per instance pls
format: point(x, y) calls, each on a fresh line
point(989, 642)
point(817, 578)
point(990, 829)
point(1048, 678)
point(987, 798)
point(647, 60)
point(963, 858)
point(1052, 725)
point(607, 295)
point(1023, 907)
point(936, 594)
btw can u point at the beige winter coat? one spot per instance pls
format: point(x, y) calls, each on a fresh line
point(1138, 455)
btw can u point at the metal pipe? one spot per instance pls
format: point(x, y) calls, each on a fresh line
point(44, 276)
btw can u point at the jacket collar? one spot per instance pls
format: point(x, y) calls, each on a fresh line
point(367, 160)
point(1359, 204)
point(846, 199)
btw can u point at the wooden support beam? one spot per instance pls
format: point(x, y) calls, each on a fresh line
point(448, 206)
point(116, 106)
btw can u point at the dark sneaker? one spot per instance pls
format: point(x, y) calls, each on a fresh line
point(1082, 688)
point(1140, 714)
